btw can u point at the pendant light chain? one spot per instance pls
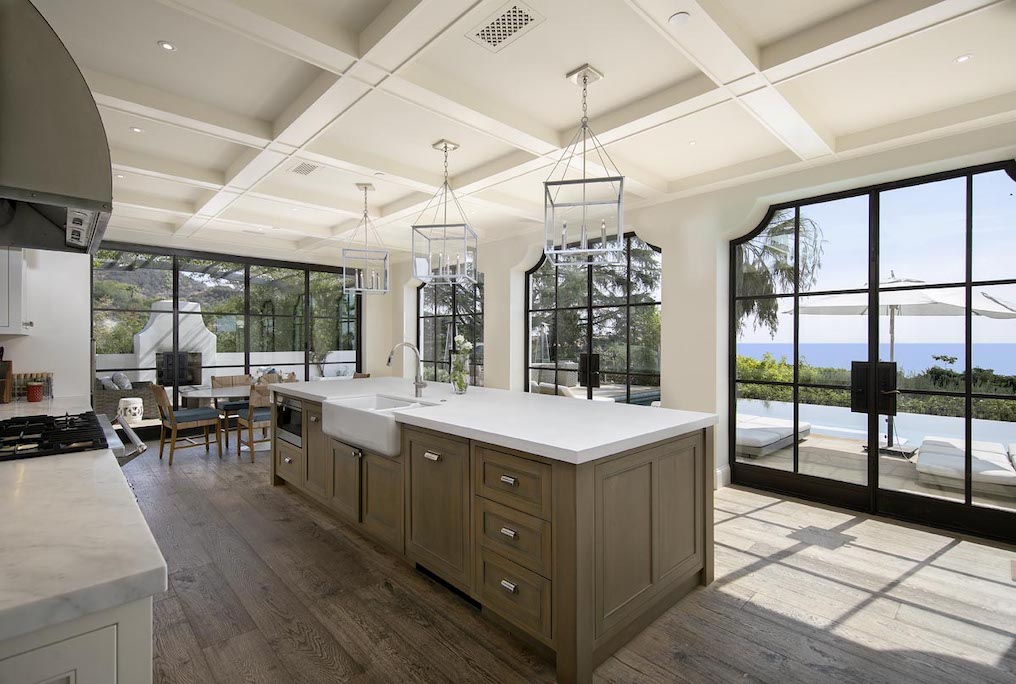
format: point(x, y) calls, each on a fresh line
point(365, 219)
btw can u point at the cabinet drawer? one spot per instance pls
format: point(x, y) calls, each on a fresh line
point(518, 595)
point(518, 536)
point(289, 463)
point(513, 481)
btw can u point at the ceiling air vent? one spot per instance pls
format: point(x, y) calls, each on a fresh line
point(505, 26)
point(305, 168)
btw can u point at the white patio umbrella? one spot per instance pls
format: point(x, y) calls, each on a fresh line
point(917, 302)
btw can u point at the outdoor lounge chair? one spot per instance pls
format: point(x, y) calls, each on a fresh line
point(940, 462)
point(760, 436)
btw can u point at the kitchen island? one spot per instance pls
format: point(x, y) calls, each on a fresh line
point(78, 566)
point(574, 524)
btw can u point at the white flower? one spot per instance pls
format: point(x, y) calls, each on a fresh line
point(463, 347)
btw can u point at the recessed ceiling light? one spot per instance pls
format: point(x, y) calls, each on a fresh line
point(379, 173)
point(119, 175)
point(294, 208)
point(679, 19)
point(963, 58)
point(167, 46)
point(692, 143)
point(135, 129)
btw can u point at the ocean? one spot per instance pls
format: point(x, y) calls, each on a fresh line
point(912, 358)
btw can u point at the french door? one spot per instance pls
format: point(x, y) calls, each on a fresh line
point(873, 350)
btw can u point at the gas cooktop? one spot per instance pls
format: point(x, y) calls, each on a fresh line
point(30, 436)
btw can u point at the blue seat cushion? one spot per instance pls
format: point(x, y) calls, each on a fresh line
point(261, 414)
point(235, 405)
point(195, 414)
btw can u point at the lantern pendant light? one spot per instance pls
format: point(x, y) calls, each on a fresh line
point(584, 216)
point(444, 244)
point(368, 265)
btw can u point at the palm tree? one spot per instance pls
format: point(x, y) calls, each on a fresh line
point(765, 266)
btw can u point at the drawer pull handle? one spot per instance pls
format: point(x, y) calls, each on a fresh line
point(509, 480)
point(508, 532)
point(432, 456)
point(287, 460)
point(313, 419)
point(357, 453)
point(509, 587)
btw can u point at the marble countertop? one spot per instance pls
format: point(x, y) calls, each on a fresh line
point(72, 539)
point(570, 430)
point(50, 407)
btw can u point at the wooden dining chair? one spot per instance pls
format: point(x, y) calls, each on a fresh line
point(184, 419)
point(258, 415)
point(230, 406)
point(269, 379)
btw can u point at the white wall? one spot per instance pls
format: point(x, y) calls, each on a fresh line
point(59, 290)
point(694, 234)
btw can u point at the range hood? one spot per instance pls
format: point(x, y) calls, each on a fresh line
point(56, 189)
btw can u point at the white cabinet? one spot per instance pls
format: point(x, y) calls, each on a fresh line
point(86, 659)
point(112, 646)
point(13, 293)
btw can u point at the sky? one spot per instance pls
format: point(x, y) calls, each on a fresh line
point(922, 237)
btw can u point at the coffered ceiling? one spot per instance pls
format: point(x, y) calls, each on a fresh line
point(252, 133)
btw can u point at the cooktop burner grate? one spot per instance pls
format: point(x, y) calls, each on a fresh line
point(30, 436)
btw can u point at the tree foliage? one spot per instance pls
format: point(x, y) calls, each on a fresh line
point(765, 266)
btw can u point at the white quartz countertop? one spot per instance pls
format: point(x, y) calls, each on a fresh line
point(560, 428)
point(72, 538)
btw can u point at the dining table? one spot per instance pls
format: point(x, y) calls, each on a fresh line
point(204, 396)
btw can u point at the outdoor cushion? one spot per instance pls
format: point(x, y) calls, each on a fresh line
point(122, 381)
point(238, 405)
point(1012, 453)
point(944, 457)
point(191, 415)
point(107, 383)
point(757, 431)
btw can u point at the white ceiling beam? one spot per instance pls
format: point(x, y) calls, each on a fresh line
point(451, 99)
point(327, 98)
point(966, 117)
point(138, 163)
point(129, 97)
point(859, 30)
point(283, 26)
point(141, 200)
point(714, 43)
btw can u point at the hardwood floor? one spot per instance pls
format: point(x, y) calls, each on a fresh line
point(267, 587)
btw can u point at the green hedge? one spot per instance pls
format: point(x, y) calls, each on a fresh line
point(985, 381)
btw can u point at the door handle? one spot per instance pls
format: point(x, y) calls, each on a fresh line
point(287, 460)
point(313, 419)
point(432, 456)
point(509, 480)
point(357, 453)
point(510, 587)
point(508, 532)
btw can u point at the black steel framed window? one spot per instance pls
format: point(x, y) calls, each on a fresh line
point(179, 317)
point(895, 292)
point(444, 311)
point(594, 332)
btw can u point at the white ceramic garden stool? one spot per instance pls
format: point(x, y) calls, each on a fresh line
point(131, 409)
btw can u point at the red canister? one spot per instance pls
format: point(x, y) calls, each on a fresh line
point(34, 391)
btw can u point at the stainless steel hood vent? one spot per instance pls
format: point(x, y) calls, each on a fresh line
point(56, 189)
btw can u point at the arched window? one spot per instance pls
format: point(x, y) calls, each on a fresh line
point(594, 331)
point(882, 316)
point(444, 311)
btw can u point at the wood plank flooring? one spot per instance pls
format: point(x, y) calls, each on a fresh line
point(265, 586)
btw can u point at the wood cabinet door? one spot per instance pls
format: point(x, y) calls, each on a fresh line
point(648, 526)
point(383, 491)
point(318, 456)
point(346, 479)
point(438, 518)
